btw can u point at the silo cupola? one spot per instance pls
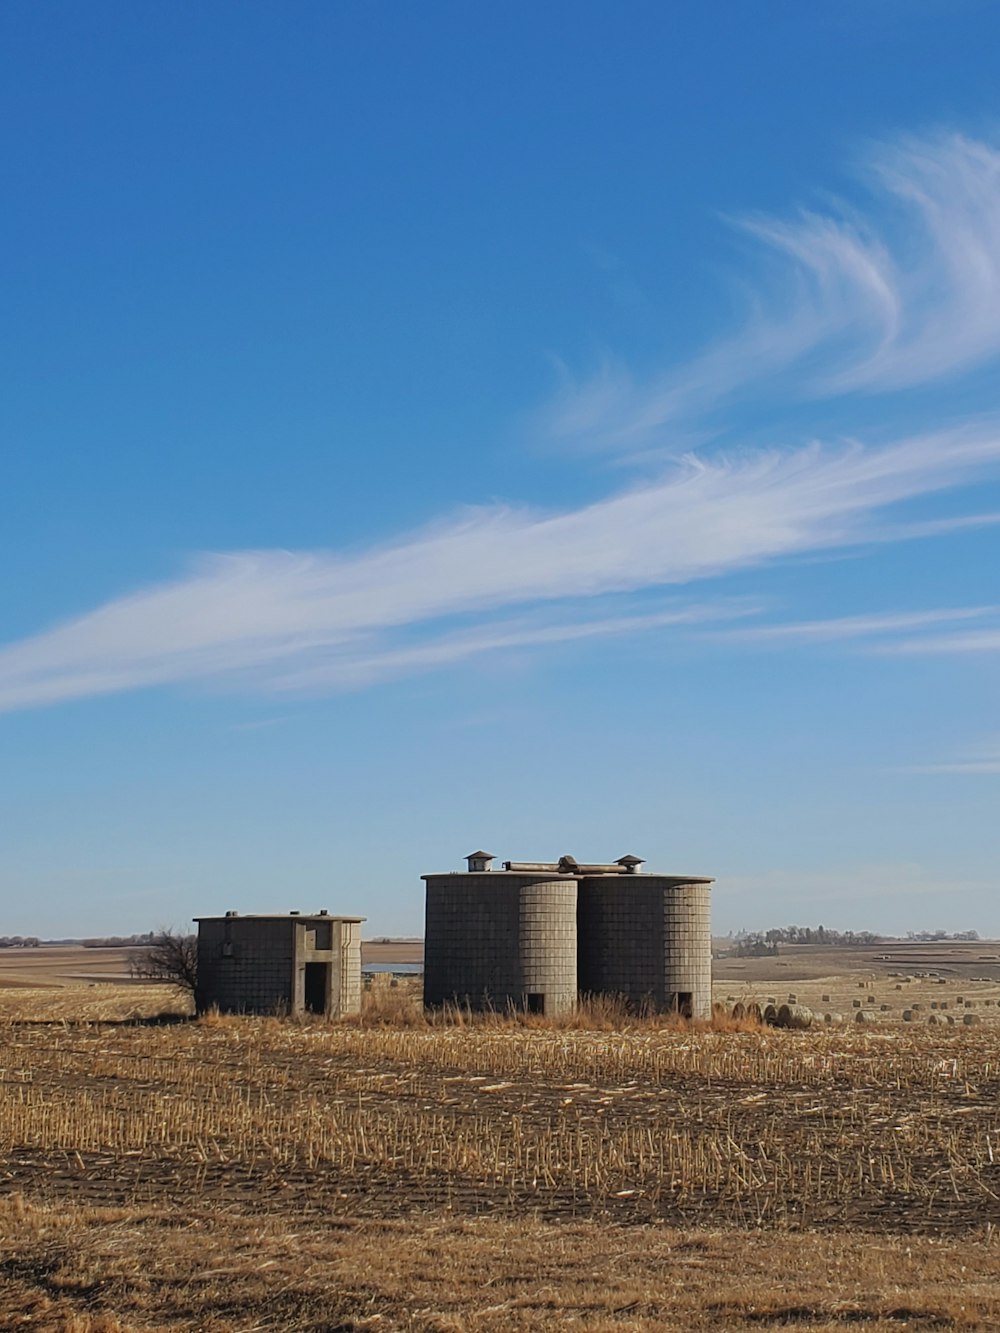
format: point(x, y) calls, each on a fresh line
point(480, 861)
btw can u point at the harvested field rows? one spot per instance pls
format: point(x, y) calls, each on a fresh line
point(899, 1132)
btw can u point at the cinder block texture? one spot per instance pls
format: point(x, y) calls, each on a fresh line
point(501, 939)
point(648, 939)
point(279, 964)
point(494, 940)
point(246, 965)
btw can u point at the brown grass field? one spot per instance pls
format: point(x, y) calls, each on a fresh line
point(252, 1174)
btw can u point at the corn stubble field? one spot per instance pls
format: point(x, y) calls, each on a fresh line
point(241, 1173)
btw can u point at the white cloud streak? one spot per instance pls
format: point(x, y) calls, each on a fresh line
point(856, 309)
point(874, 625)
point(852, 306)
point(986, 640)
point(983, 760)
point(292, 620)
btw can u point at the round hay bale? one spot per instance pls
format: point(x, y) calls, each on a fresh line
point(866, 1016)
point(739, 1010)
point(950, 1018)
point(794, 1016)
point(969, 1019)
point(943, 1004)
point(907, 1015)
point(916, 1007)
point(934, 1004)
point(754, 1012)
point(885, 1008)
point(856, 1003)
point(932, 1019)
point(770, 1015)
point(825, 999)
point(959, 999)
point(870, 999)
point(833, 1018)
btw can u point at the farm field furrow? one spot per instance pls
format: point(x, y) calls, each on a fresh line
point(815, 1129)
point(252, 1173)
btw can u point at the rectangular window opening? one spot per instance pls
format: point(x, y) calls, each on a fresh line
point(535, 1004)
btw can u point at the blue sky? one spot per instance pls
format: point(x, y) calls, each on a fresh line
point(554, 428)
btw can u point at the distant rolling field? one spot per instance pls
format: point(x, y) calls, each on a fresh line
point(66, 964)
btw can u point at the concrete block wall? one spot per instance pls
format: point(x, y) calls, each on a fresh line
point(257, 965)
point(508, 939)
point(345, 989)
point(471, 943)
point(620, 939)
point(492, 939)
point(646, 938)
point(547, 943)
point(687, 946)
point(246, 965)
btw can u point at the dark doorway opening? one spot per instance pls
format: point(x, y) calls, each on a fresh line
point(685, 1003)
point(317, 975)
point(535, 1004)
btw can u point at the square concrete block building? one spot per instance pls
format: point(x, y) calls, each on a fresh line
point(538, 935)
point(280, 964)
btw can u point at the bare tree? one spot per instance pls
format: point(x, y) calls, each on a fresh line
point(169, 957)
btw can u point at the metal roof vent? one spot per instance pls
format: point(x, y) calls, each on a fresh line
point(480, 861)
point(630, 864)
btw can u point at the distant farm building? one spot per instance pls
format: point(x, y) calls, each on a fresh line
point(281, 964)
point(537, 935)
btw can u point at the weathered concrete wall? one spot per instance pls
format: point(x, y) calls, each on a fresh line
point(493, 939)
point(345, 985)
point(648, 939)
point(246, 965)
point(687, 946)
point(258, 965)
point(547, 944)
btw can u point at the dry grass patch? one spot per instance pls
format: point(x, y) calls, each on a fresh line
point(102, 1270)
point(251, 1174)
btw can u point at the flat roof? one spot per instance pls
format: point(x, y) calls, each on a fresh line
point(613, 878)
point(280, 916)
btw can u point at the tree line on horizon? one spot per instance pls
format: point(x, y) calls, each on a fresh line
point(765, 943)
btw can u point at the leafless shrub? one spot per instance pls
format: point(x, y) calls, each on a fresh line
point(170, 957)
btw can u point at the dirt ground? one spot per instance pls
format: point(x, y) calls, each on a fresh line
point(259, 1174)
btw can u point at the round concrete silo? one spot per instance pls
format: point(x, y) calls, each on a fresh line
point(500, 940)
point(687, 948)
point(547, 945)
point(647, 938)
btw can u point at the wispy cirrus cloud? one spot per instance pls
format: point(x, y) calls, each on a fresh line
point(905, 295)
point(978, 761)
point(286, 620)
point(853, 305)
point(874, 626)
